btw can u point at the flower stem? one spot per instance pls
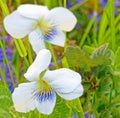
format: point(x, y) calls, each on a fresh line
point(65, 3)
point(53, 55)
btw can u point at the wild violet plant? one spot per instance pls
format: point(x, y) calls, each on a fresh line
point(90, 50)
point(43, 25)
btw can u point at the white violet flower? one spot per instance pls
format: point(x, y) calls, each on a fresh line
point(40, 24)
point(41, 91)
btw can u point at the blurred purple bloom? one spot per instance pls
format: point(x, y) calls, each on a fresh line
point(79, 1)
point(88, 115)
point(8, 53)
point(117, 3)
point(78, 25)
point(91, 15)
point(4, 67)
point(74, 116)
point(70, 3)
point(8, 38)
point(51, 65)
point(0, 29)
point(7, 75)
point(103, 3)
point(92, 116)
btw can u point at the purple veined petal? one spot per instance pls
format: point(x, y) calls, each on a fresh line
point(45, 101)
point(57, 38)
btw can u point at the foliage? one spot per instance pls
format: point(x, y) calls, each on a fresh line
point(92, 49)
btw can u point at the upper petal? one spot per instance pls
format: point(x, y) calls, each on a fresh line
point(18, 26)
point(77, 92)
point(36, 40)
point(56, 38)
point(40, 63)
point(32, 11)
point(45, 102)
point(62, 17)
point(23, 97)
point(63, 80)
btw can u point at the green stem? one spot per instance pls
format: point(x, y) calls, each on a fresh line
point(95, 24)
point(4, 8)
point(94, 104)
point(6, 61)
point(112, 24)
point(65, 3)
point(77, 6)
point(18, 48)
point(3, 77)
point(60, 3)
point(80, 109)
point(90, 24)
point(53, 55)
point(107, 34)
point(18, 2)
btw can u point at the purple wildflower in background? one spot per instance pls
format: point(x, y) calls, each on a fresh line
point(4, 66)
point(103, 3)
point(79, 1)
point(70, 3)
point(88, 115)
point(74, 116)
point(8, 53)
point(7, 75)
point(51, 65)
point(91, 15)
point(117, 3)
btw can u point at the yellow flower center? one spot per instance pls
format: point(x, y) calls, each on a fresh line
point(44, 27)
point(43, 86)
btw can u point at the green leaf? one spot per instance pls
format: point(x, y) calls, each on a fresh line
point(102, 55)
point(61, 109)
point(105, 114)
point(77, 58)
point(117, 57)
point(5, 114)
point(5, 103)
point(104, 86)
point(5, 98)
